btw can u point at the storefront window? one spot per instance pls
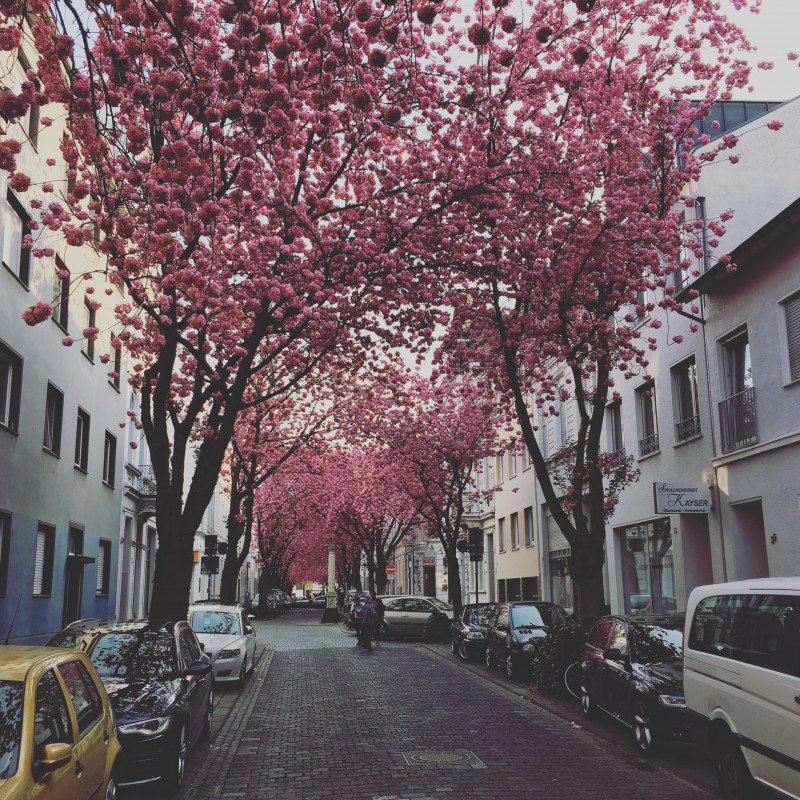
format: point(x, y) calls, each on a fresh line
point(648, 568)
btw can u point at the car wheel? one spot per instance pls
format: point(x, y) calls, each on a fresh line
point(205, 734)
point(462, 650)
point(587, 704)
point(111, 790)
point(177, 767)
point(645, 734)
point(733, 774)
point(491, 661)
point(243, 671)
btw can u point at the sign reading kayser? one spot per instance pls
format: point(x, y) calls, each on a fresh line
point(682, 498)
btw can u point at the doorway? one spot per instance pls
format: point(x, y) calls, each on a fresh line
point(429, 581)
point(751, 544)
point(73, 581)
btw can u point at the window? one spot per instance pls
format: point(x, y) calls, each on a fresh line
point(53, 414)
point(43, 565)
point(61, 295)
point(616, 447)
point(103, 567)
point(737, 412)
point(117, 370)
point(685, 403)
point(84, 695)
point(530, 588)
point(529, 540)
point(15, 226)
point(702, 232)
point(526, 458)
point(500, 469)
point(29, 122)
point(501, 534)
point(515, 531)
point(10, 388)
point(89, 315)
point(648, 430)
point(109, 459)
point(512, 463)
point(51, 721)
point(82, 441)
point(791, 310)
point(648, 568)
point(5, 541)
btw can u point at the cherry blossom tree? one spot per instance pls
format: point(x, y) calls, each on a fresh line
point(581, 125)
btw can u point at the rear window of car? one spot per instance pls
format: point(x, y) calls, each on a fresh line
point(439, 604)
point(760, 629)
point(143, 655)
point(653, 644)
point(11, 695)
point(477, 616)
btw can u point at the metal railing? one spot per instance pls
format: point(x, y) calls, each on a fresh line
point(687, 428)
point(617, 457)
point(737, 419)
point(647, 445)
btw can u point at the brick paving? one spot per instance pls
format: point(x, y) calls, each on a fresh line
point(322, 719)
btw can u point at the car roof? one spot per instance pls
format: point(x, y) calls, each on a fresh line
point(16, 660)
point(87, 635)
point(215, 607)
point(671, 621)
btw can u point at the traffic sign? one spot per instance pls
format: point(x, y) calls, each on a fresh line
point(390, 569)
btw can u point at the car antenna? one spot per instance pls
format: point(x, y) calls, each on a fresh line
point(13, 619)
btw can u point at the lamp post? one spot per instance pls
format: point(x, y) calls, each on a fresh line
point(331, 614)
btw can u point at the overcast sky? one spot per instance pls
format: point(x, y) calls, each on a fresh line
point(774, 30)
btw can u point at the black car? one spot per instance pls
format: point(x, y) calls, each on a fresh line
point(161, 689)
point(468, 630)
point(514, 629)
point(632, 669)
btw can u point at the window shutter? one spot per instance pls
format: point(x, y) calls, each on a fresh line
point(101, 567)
point(792, 308)
point(38, 569)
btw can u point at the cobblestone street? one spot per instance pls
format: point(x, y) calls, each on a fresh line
point(320, 718)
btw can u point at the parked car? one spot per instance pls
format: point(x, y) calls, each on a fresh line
point(468, 630)
point(320, 601)
point(515, 628)
point(631, 669)
point(227, 637)
point(348, 605)
point(407, 615)
point(742, 681)
point(161, 689)
point(301, 601)
point(57, 733)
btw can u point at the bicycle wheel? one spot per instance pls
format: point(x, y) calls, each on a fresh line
point(572, 679)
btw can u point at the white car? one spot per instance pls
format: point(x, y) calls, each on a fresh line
point(228, 638)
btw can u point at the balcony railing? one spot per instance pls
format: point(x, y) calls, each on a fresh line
point(617, 457)
point(687, 428)
point(647, 445)
point(737, 419)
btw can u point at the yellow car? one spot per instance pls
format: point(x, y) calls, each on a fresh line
point(58, 737)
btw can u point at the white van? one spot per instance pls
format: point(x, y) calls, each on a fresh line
point(741, 676)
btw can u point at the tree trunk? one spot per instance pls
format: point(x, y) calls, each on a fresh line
point(380, 571)
point(586, 568)
point(172, 580)
point(453, 577)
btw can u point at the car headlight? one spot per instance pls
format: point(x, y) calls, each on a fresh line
point(475, 635)
point(147, 729)
point(529, 647)
point(229, 654)
point(672, 701)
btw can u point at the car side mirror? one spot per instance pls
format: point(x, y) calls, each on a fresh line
point(55, 755)
point(249, 629)
point(251, 616)
point(197, 669)
point(613, 654)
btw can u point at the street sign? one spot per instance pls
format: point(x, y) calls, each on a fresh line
point(390, 569)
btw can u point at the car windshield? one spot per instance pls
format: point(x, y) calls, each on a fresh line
point(440, 605)
point(142, 655)
point(11, 694)
point(215, 622)
point(478, 615)
point(654, 645)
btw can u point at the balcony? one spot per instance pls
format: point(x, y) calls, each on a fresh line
point(617, 457)
point(687, 428)
point(648, 445)
point(737, 419)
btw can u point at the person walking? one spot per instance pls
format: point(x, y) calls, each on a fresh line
point(367, 623)
point(357, 617)
point(340, 601)
point(380, 611)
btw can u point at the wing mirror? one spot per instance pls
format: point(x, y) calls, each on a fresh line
point(197, 670)
point(55, 755)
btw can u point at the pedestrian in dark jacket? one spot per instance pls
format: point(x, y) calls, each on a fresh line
point(367, 623)
point(357, 617)
point(380, 611)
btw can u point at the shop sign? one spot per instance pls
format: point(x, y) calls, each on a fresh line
point(682, 498)
point(428, 562)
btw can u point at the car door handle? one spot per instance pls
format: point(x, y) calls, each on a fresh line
point(78, 767)
point(106, 736)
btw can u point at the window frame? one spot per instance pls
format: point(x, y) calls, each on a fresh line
point(514, 530)
point(684, 380)
point(647, 419)
point(82, 433)
point(22, 272)
point(103, 583)
point(10, 389)
point(109, 459)
point(88, 343)
point(530, 535)
point(501, 534)
point(46, 545)
point(61, 296)
point(790, 312)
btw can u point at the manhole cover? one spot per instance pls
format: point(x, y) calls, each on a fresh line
point(446, 758)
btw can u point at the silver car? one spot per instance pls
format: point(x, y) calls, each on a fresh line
point(228, 638)
point(407, 615)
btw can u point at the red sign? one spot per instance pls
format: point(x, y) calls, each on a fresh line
point(390, 569)
point(428, 562)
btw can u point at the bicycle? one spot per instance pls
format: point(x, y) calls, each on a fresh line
point(572, 679)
